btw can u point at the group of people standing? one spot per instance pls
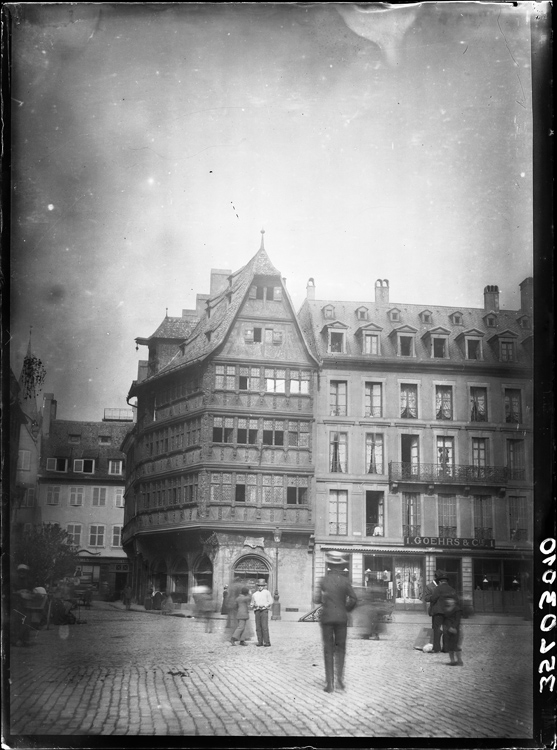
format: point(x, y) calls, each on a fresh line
point(238, 602)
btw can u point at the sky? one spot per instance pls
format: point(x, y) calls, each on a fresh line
point(151, 143)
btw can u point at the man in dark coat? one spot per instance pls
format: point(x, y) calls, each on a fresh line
point(337, 598)
point(436, 619)
point(442, 591)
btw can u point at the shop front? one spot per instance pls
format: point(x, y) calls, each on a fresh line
point(502, 585)
point(401, 577)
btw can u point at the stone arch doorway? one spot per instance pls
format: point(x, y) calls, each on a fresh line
point(203, 572)
point(249, 568)
point(180, 576)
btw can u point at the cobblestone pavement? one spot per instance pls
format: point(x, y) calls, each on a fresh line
point(140, 673)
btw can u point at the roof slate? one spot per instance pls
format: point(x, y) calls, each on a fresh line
point(312, 322)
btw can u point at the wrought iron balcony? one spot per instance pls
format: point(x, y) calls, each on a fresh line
point(449, 473)
point(481, 532)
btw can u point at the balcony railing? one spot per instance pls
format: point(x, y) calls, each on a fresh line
point(411, 530)
point(481, 532)
point(447, 531)
point(449, 474)
point(374, 529)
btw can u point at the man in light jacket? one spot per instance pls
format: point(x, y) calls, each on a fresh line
point(262, 601)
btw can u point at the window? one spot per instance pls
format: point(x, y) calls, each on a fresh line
point(443, 402)
point(225, 377)
point(518, 519)
point(299, 381)
point(29, 498)
point(298, 434)
point(491, 321)
point(263, 292)
point(96, 535)
point(336, 342)
point(240, 491)
point(374, 514)
point(84, 466)
point(338, 398)
point(329, 312)
point(371, 343)
point(273, 432)
point(410, 455)
point(24, 461)
point(447, 515)
point(74, 438)
point(223, 430)
point(457, 319)
point(425, 316)
point(483, 517)
point(297, 491)
point(524, 322)
point(478, 405)
point(249, 378)
point(411, 518)
point(440, 347)
point(338, 512)
point(506, 351)
point(115, 466)
point(373, 406)
point(119, 497)
point(268, 335)
point(273, 489)
point(99, 496)
point(445, 456)
point(513, 405)
point(247, 431)
point(275, 381)
point(116, 536)
point(515, 459)
point(409, 401)
point(52, 495)
point(76, 495)
point(105, 439)
point(246, 488)
point(74, 534)
point(57, 464)
point(405, 345)
point(258, 335)
point(221, 487)
point(480, 457)
point(394, 315)
point(473, 349)
point(337, 452)
point(374, 453)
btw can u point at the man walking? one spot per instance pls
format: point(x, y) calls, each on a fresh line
point(437, 617)
point(261, 601)
point(337, 598)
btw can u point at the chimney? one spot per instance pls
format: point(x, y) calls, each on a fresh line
point(310, 289)
point(201, 304)
point(382, 290)
point(527, 295)
point(219, 280)
point(491, 298)
point(189, 314)
point(49, 412)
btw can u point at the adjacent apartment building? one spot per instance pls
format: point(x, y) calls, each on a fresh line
point(71, 473)
point(423, 443)
point(400, 434)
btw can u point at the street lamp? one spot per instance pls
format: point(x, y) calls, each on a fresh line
point(275, 612)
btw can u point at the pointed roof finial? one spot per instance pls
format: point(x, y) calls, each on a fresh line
point(166, 315)
point(262, 240)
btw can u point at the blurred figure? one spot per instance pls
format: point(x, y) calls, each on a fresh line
point(20, 595)
point(231, 611)
point(436, 617)
point(127, 596)
point(167, 606)
point(224, 606)
point(242, 613)
point(375, 611)
point(337, 598)
point(445, 602)
point(204, 606)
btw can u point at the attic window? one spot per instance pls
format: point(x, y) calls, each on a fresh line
point(456, 319)
point(394, 315)
point(362, 313)
point(105, 439)
point(208, 334)
point(490, 321)
point(524, 322)
point(440, 347)
point(336, 342)
point(74, 438)
point(329, 312)
point(425, 316)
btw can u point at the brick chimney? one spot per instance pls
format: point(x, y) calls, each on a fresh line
point(527, 295)
point(491, 298)
point(49, 412)
point(382, 290)
point(310, 289)
point(219, 280)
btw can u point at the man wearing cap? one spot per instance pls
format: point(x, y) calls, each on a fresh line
point(262, 601)
point(436, 621)
point(337, 598)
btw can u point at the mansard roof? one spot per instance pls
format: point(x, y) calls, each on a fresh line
point(473, 323)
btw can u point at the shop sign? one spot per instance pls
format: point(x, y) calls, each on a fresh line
point(448, 541)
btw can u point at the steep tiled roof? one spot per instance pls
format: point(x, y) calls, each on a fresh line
point(57, 444)
point(312, 323)
point(175, 328)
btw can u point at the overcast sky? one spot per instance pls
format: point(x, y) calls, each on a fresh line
point(152, 143)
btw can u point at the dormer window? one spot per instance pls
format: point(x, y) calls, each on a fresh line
point(84, 466)
point(336, 342)
point(362, 313)
point(504, 344)
point(470, 342)
point(74, 438)
point(208, 335)
point(524, 322)
point(456, 318)
point(394, 315)
point(491, 321)
point(473, 348)
point(370, 343)
point(425, 316)
point(265, 292)
point(437, 341)
point(57, 464)
point(329, 312)
point(405, 341)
